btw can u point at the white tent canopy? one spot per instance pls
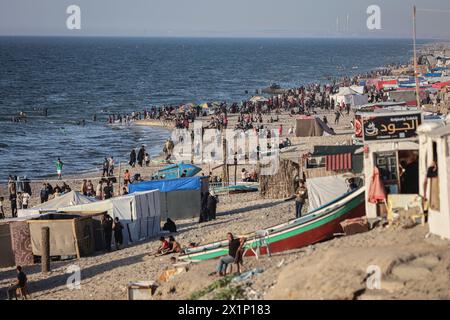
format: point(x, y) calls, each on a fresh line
point(323, 190)
point(69, 199)
point(354, 96)
point(139, 213)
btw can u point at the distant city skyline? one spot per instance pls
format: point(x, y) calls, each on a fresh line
point(232, 18)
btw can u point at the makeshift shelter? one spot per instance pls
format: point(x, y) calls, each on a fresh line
point(306, 126)
point(284, 183)
point(70, 234)
point(139, 213)
point(6, 251)
point(354, 96)
point(434, 141)
point(390, 140)
point(179, 198)
point(69, 199)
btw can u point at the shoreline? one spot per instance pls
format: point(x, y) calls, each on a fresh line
point(413, 265)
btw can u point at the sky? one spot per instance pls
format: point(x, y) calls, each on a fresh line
point(225, 18)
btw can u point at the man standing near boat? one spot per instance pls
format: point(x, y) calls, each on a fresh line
point(300, 199)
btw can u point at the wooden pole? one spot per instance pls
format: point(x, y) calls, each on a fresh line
point(45, 249)
point(416, 71)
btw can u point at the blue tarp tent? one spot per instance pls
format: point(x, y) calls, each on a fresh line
point(179, 198)
point(192, 183)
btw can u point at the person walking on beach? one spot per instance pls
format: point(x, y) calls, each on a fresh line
point(99, 190)
point(105, 167)
point(301, 196)
point(20, 283)
point(118, 234)
point(132, 158)
point(111, 166)
point(84, 188)
point(126, 177)
point(337, 116)
point(44, 193)
point(212, 206)
point(107, 190)
point(13, 201)
point(107, 224)
point(141, 155)
point(25, 200)
point(2, 212)
point(59, 167)
point(90, 189)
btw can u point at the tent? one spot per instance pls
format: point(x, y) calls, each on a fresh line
point(353, 96)
point(139, 213)
point(71, 198)
point(324, 190)
point(311, 127)
point(179, 198)
point(72, 234)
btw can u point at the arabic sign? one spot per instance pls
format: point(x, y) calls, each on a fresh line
point(391, 127)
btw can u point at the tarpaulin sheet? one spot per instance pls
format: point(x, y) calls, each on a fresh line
point(324, 190)
point(139, 213)
point(6, 252)
point(62, 237)
point(193, 183)
point(21, 243)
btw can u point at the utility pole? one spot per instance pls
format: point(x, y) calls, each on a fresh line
point(416, 71)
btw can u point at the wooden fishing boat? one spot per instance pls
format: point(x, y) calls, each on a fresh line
point(318, 225)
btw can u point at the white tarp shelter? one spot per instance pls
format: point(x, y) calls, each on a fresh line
point(139, 213)
point(434, 141)
point(354, 96)
point(69, 199)
point(323, 190)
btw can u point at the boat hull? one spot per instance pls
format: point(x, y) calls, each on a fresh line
point(296, 235)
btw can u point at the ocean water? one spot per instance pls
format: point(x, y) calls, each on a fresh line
point(76, 78)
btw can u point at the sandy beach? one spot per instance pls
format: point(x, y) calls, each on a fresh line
point(413, 264)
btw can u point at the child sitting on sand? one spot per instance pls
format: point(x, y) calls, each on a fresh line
point(163, 248)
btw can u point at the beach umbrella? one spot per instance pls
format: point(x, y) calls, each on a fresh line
point(258, 99)
point(205, 105)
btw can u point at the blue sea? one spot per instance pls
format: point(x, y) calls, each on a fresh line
point(76, 78)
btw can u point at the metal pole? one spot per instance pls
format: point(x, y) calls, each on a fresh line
point(416, 71)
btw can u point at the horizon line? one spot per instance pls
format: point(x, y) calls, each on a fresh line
point(219, 37)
